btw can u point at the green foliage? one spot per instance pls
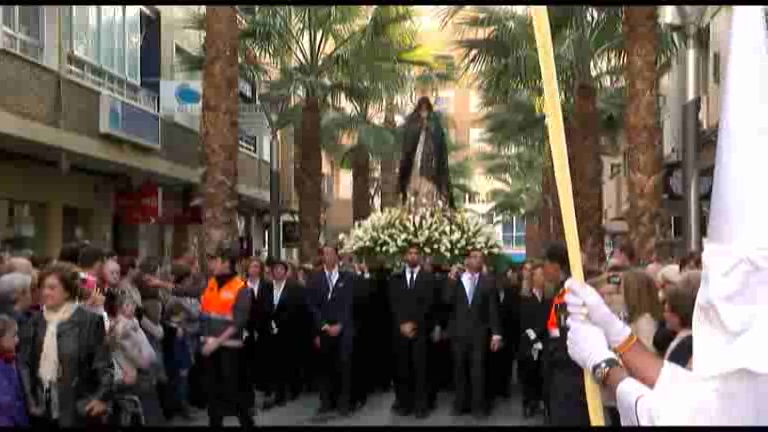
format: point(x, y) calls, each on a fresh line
point(500, 54)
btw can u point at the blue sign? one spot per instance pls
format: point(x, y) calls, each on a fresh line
point(186, 95)
point(129, 122)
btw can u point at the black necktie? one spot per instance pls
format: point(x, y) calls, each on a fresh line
point(410, 282)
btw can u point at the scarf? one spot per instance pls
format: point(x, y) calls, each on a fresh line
point(49, 359)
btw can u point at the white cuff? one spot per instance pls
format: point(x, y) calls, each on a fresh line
point(633, 409)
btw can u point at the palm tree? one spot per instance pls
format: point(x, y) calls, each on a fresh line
point(315, 39)
point(641, 35)
point(589, 53)
point(368, 83)
point(219, 127)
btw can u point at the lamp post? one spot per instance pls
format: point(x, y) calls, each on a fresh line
point(274, 190)
point(688, 18)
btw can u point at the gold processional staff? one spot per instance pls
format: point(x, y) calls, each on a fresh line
point(554, 114)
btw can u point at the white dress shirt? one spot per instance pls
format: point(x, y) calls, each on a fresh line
point(254, 286)
point(470, 284)
point(411, 271)
point(278, 291)
point(332, 276)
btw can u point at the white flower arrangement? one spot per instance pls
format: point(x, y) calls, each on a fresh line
point(442, 234)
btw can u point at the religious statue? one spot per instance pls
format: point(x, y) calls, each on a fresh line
point(424, 180)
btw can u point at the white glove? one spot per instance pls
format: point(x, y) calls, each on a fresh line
point(537, 347)
point(584, 302)
point(436, 333)
point(531, 334)
point(586, 344)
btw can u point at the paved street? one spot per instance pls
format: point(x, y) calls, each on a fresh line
point(376, 413)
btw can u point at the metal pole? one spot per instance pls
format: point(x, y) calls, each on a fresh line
point(690, 142)
point(275, 249)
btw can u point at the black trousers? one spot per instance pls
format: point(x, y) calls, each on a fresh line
point(565, 395)
point(500, 371)
point(335, 373)
point(285, 376)
point(411, 380)
point(469, 357)
point(531, 379)
point(229, 392)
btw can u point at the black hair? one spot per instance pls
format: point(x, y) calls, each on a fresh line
point(558, 254)
point(89, 257)
point(424, 100)
point(149, 265)
point(70, 252)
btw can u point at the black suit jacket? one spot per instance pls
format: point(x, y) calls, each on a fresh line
point(509, 314)
point(417, 304)
point(290, 315)
point(478, 320)
point(533, 315)
point(334, 310)
point(260, 319)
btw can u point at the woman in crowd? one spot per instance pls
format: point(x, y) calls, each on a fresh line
point(66, 367)
point(13, 410)
point(134, 357)
point(644, 310)
point(534, 311)
point(678, 313)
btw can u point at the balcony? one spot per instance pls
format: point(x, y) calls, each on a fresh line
point(91, 74)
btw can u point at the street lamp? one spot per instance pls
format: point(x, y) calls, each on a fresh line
point(273, 105)
point(688, 19)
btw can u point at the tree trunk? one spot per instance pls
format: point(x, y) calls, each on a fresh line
point(361, 183)
point(641, 124)
point(219, 127)
point(388, 181)
point(587, 172)
point(551, 220)
point(309, 170)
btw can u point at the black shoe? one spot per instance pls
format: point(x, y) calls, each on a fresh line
point(456, 412)
point(529, 411)
point(400, 410)
point(324, 410)
point(422, 414)
point(345, 412)
point(480, 415)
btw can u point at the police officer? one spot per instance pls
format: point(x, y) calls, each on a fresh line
point(225, 306)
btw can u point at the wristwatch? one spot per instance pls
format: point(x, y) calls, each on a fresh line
point(600, 370)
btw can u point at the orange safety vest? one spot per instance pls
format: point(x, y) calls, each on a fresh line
point(219, 302)
point(553, 323)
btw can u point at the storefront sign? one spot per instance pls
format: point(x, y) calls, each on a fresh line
point(129, 122)
point(140, 206)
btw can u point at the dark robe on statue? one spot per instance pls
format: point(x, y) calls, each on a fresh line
point(428, 162)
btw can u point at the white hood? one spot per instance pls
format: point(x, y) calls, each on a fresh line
point(730, 323)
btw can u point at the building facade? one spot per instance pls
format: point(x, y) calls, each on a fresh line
point(87, 152)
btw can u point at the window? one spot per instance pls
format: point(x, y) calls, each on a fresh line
point(23, 30)
point(475, 138)
point(110, 37)
point(513, 232)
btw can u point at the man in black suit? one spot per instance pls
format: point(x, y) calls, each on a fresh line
point(412, 298)
point(473, 326)
point(289, 319)
point(330, 298)
point(259, 325)
point(501, 362)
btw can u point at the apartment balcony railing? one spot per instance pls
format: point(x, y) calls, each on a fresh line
point(97, 76)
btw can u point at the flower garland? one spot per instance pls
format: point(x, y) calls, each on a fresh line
point(442, 234)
